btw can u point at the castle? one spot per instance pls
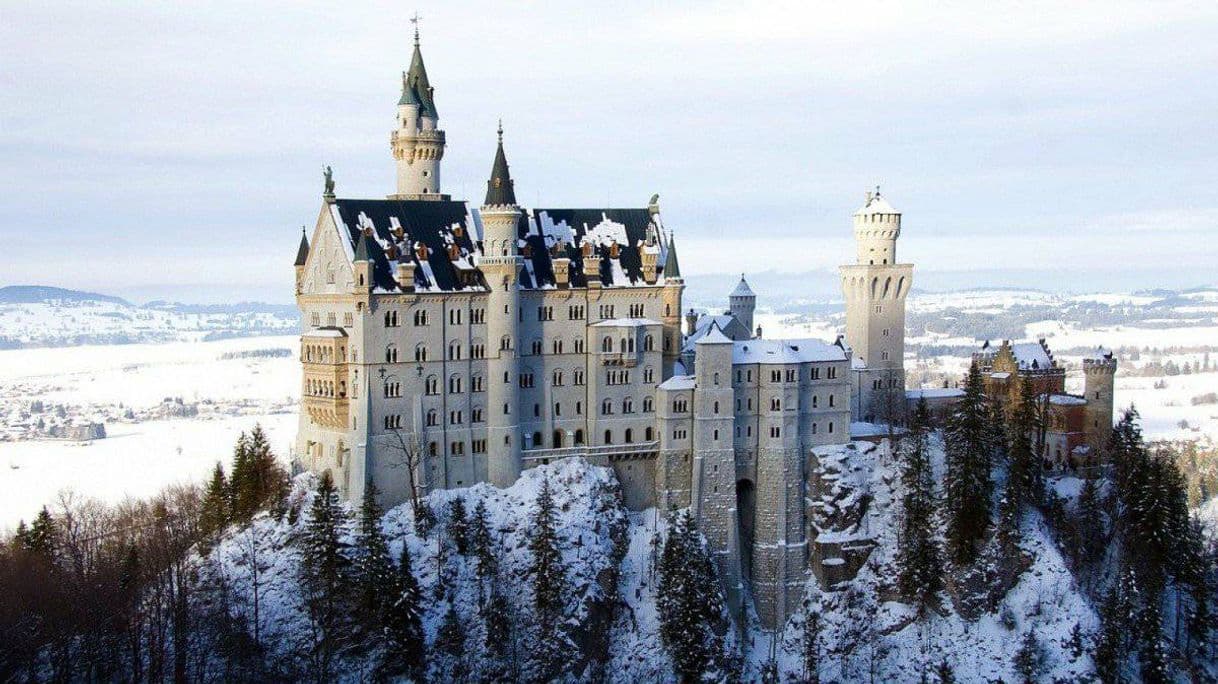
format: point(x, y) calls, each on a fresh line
point(445, 344)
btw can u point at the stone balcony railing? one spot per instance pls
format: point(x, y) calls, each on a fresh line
point(610, 451)
point(625, 359)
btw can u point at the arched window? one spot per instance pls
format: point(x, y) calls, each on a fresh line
point(505, 343)
point(648, 343)
point(557, 380)
point(537, 440)
point(579, 437)
point(433, 418)
point(606, 407)
point(607, 344)
point(454, 351)
point(608, 437)
point(557, 441)
point(629, 436)
point(420, 352)
point(431, 385)
point(648, 434)
point(716, 407)
point(391, 354)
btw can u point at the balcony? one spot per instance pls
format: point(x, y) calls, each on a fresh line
point(328, 412)
point(612, 452)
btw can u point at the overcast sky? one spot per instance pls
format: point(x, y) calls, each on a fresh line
point(155, 149)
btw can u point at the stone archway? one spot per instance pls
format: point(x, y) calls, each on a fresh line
point(746, 514)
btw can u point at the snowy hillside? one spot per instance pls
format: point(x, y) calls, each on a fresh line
point(611, 568)
point(51, 317)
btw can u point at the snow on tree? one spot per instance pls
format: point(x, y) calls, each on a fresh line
point(967, 483)
point(919, 560)
point(689, 601)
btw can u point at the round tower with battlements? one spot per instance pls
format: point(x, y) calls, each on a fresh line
point(1099, 376)
point(875, 288)
point(500, 264)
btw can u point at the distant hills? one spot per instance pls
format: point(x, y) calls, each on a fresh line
point(46, 294)
point(37, 294)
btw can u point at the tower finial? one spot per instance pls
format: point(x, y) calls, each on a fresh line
point(500, 131)
point(415, 20)
point(877, 191)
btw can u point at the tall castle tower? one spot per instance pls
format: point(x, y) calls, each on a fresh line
point(875, 287)
point(742, 302)
point(1099, 376)
point(417, 143)
point(501, 266)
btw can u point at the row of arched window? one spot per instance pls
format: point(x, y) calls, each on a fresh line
point(323, 353)
point(325, 388)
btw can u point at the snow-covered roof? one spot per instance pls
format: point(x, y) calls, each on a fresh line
point(742, 289)
point(786, 351)
point(725, 322)
point(1001, 375)
point(714, 336)
point(876, 204)
point(934, 393)
point(1031, 355)
point(611, 241)
point(678, 382)
point(1067, 400)
point(625, 323)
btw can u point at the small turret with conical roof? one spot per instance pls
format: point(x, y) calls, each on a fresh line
point(417, 142)
point(302, 257)
point(742, 303)
point(501, 265)
point(499, 187)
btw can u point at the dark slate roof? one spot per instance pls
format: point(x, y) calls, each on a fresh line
point(499, 188)
point(544, 235)
point(671, 268)
point(302, 252)
point(426, 222)
point(584, 223)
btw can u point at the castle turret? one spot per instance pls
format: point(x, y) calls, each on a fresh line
point(417, 142)
point(742, 302)
point(1099, 375)
point(500, 264)
point(302, 257)
point(674, 286)
point(875, 288)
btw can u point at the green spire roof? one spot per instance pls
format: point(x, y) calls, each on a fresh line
point(302, 252)
point(409, 96)
point(499, 189)
point(671, 268)
point(416, 82)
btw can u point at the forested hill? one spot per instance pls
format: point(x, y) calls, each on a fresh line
point(981, 568)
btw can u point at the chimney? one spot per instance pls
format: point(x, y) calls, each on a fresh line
point(405, 275)
point(650, 255)
point(691, 322)
point(758, 332)
point(562, 272)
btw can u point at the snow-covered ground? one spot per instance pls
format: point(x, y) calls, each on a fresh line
point(225, 386)
point(59, 323)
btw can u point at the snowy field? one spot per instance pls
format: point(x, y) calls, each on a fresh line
point(125, 387)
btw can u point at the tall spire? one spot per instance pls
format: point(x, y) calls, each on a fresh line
point(671, 268)
point(499, 189)
point(302, 252)
point(416, 79)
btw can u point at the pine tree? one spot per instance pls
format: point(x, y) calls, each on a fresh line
point(450, 647)
point(497, 618)
point(404, 652)
point(214, 513)
point(689, 601)
point(325, 576)
point(967, 483)
point(40, 539)
point(1089, 524)
point(373, 572)
point(243, 497)
point(811, 646)
point(1075, 642)
point(1024, 474)
point(1152, 657)
point(263, 469)
point(919, 560)
point(1029, 658)
point(944, 671)
point(1007, 534)
point(1197, 579)
point(549, 580)
point(458, 526)
point(483, 548)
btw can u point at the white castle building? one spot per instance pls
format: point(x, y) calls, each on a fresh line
point(445, 344)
